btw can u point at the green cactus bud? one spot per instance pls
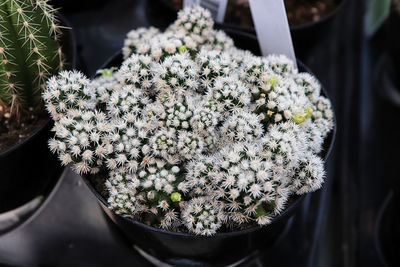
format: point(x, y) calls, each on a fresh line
point(176, 197)
point(107, 72)
point(309, 112)
point(299, 117)
point(182, 49)
point(273, 80)
point(29, 52)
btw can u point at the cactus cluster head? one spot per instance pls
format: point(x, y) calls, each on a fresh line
point(194, 138)
point(203, 215)
point(29, 52)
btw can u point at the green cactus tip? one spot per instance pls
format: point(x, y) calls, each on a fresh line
point(29, 52)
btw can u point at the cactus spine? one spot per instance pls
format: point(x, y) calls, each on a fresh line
point(29, 52)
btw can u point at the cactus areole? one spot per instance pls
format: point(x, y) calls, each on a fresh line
point(29, 54)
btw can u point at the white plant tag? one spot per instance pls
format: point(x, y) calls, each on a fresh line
point(216, 7)
point(272, 28)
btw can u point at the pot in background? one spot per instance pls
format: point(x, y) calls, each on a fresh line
point(29, 169)
point(74, 6)
point(185, 249)
point(305, 37)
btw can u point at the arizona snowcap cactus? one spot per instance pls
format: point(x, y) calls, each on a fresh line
point(29, 52)
point(194, 133)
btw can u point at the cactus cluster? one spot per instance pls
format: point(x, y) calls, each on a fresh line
point(29, 53)
point(196, 139)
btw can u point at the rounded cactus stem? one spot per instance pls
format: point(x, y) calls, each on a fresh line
point(176, 197)
point(29, 52)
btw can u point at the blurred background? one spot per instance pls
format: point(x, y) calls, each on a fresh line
point(352, 46)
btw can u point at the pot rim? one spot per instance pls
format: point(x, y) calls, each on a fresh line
point(279, 217)
point(34, 133)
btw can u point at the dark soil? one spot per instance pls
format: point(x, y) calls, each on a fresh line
point(14, 131)
point(298, 11)
point(304, 11)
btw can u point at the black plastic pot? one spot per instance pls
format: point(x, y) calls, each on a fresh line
point(29, 169)
point(307, 36)
point(221, 249)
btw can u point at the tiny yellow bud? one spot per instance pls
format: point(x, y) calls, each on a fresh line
point(273, 80)
point(262, 95)
point(299, 117)
point(270, 113)
point(309, 112)
point(182, 48)
point(107, 72)
point(176, 197)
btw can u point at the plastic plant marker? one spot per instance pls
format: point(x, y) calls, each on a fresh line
point(216, 7)
point(272, 27)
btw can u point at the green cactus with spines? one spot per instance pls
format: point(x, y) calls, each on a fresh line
point(29, 52)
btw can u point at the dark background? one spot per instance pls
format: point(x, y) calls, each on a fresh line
point(340, 225)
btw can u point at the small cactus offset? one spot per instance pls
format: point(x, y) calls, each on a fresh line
point(194, 134)
point(29, 52)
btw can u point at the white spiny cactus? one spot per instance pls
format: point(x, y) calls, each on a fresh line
point(242, 126)
point(190, 144)
point(213, 64)
point(281, 65)
point(122, 188)
point(250, 187)
point(138, 41)
point(164, 144)
point(218, 40)
point(177, 117)
point(82, 140)
point(283, 145)
point(195, 22)
point(203, 175)
point(69, 90)
point(230, 94)
point(193, 133)
point(178, 74)
point(127, 103)
point(106, 84)
point(311, 86)
point(204, 121)
point(323, 115)
point(138, 70)
point(308, 175)
point(203, 216)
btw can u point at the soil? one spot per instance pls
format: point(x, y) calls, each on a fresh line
point(14, 131)
point(304, 11)
point(298, 11)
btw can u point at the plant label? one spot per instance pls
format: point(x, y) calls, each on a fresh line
point(272, 27)
point(216, 7)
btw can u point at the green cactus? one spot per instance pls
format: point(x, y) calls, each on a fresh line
point(29, 52)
